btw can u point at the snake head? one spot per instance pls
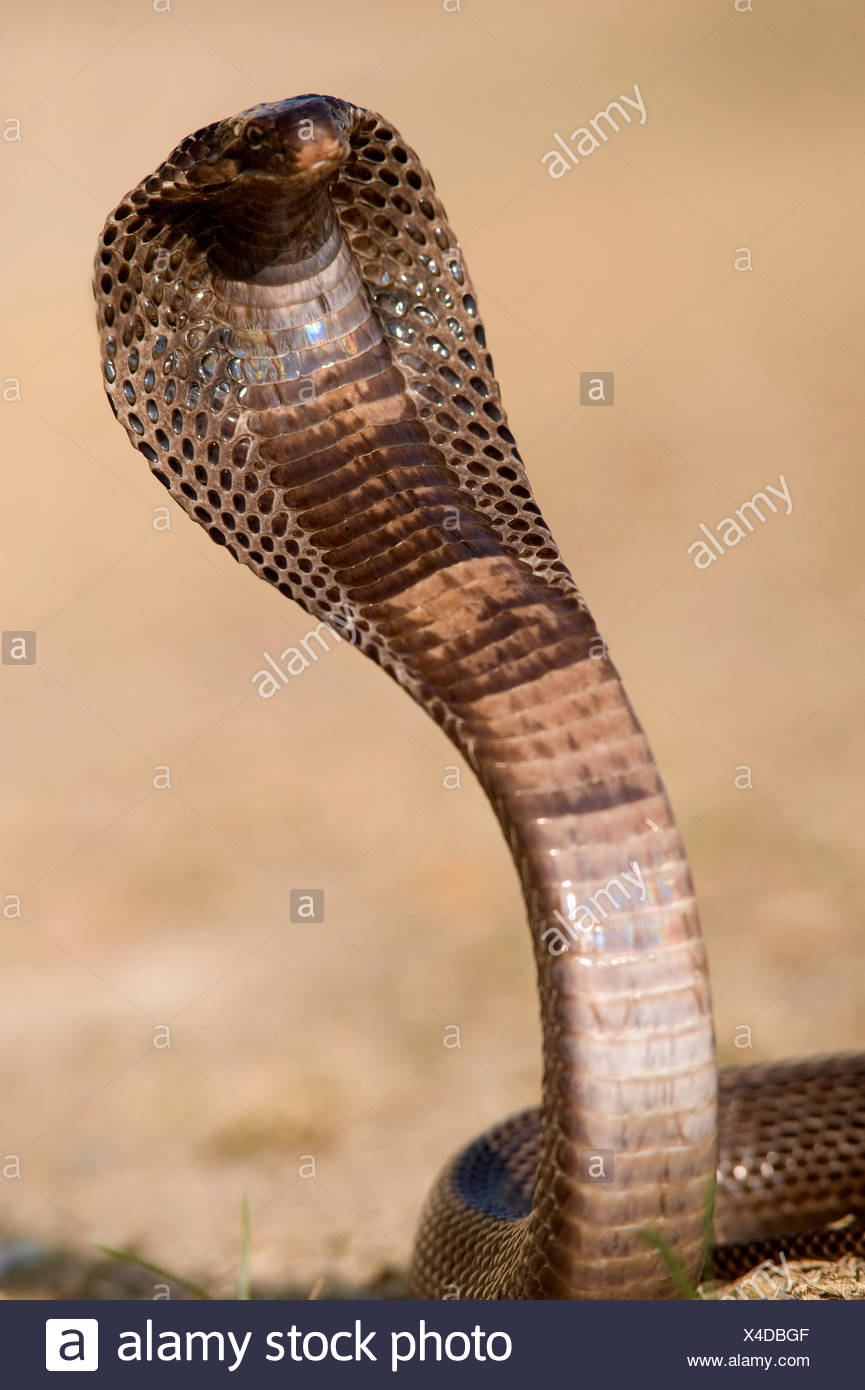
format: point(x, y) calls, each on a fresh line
point(275, 149)
point(301, 141)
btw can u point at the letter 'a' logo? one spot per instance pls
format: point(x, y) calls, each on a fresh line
point(71, 1344)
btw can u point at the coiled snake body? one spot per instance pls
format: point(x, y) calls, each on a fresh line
point(291, 338)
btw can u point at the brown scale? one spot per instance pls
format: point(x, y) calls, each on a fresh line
point(291, 338)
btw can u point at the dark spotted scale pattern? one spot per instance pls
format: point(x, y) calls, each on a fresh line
point(291, 338)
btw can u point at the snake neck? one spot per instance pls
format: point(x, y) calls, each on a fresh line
point(629, 1093)
point(267, 235)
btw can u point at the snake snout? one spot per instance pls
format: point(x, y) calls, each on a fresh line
point(302, 137)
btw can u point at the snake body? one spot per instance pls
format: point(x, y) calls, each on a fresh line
point(290, 336)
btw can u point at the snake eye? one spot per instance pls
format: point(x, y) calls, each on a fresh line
point(254, 136)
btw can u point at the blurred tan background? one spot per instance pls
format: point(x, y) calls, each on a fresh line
point(143, 907)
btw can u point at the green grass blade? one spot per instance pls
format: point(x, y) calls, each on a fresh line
point(675, 1268)
point(154, 1269)
point(709, 1233)
point(244, 1285)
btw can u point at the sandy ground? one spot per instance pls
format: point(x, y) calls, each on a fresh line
point(145, 908)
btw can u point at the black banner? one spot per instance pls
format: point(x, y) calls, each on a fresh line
point(261, 1344)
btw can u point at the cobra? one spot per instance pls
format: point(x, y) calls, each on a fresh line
point(290, 337)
